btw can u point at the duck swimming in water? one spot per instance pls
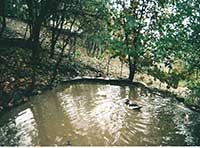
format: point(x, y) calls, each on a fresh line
point(68, 143)
point(133, 106)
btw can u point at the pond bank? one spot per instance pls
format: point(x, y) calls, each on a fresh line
point(98, 80)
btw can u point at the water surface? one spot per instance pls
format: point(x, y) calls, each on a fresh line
point(95, 114)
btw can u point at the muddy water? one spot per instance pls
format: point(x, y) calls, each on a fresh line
point(94, 114)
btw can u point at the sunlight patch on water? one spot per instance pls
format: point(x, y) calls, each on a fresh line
point(22, 127)
point(94, 114)
point(26, 130)
point(107, 115)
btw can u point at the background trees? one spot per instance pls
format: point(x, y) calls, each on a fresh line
point(155, 36)
point(151, 36)
point(144, 33)
point(132, 32)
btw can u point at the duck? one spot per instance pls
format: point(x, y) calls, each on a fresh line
point(132, 106)
point(68, 143)
point(135, 107)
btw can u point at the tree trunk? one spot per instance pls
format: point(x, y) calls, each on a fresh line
point(53, 41)
point(121, 71)
point(131, 61)
point(35, 46)
point(108, 65)
point(132, 68)
point(2, 14)
point(57, 64)
point(56, 31)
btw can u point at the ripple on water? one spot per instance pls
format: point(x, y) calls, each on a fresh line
point(20, 130)
point(90, 114)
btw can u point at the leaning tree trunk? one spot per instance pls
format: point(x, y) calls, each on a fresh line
point(65, 43)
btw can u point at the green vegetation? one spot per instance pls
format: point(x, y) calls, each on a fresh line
point(160, 38)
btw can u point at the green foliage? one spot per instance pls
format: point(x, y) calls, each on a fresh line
point(59, 45)
point(194, 97)
point(77, 54)
point(177, 39)
point(195, 87)
point(144, 34)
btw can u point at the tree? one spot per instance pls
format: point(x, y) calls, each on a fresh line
point(131, 31)
point(2, 17)
point(178, 40)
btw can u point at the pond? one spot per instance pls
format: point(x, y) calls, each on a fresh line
point(95, 114)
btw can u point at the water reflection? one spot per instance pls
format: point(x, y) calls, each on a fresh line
point(20, 130)
point(89, 114)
